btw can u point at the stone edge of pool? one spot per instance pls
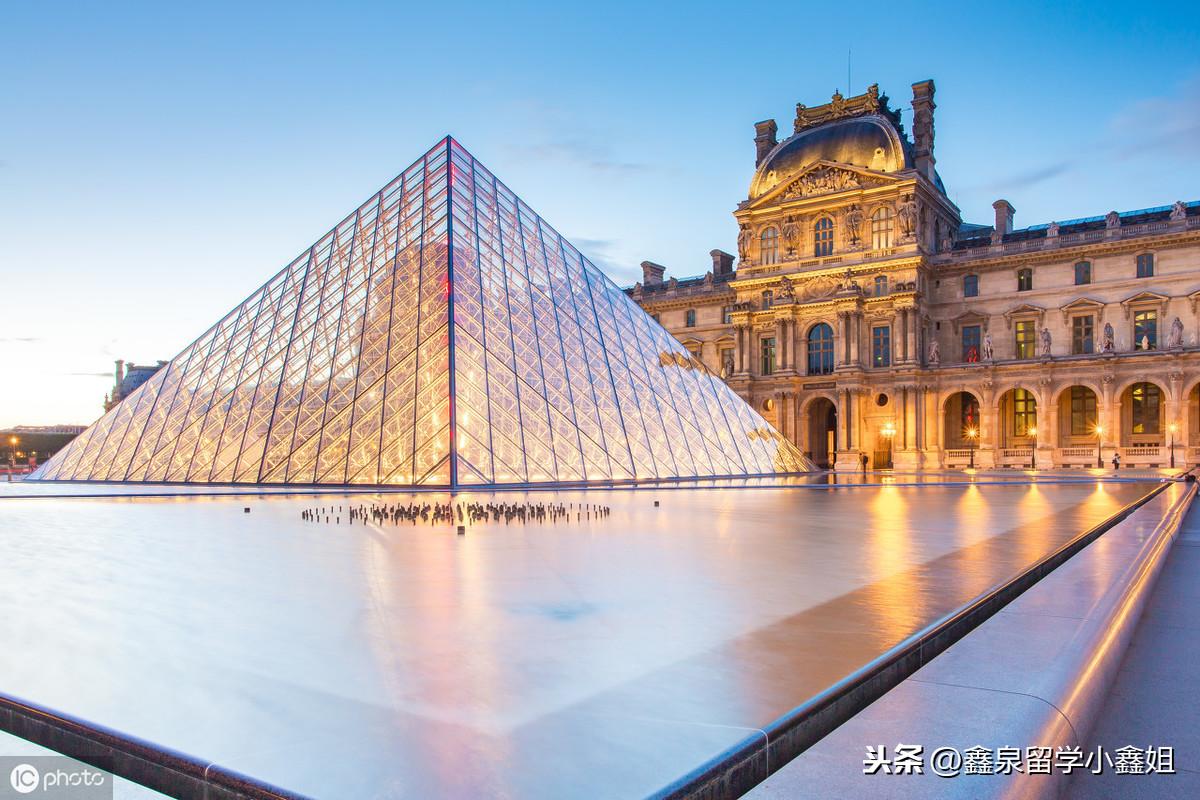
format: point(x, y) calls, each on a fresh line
point(910, 696)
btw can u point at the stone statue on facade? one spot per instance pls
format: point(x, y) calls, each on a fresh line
point(988, 352)
point(1144, 342)
point(1178, 211)
point(745, 237)
point(854, 221)
point(935, 353)
point(907, 216)
point(791, 234)
point(787, 292)
point(1112, 220)
point(1175, 339)
point(1106, 344)
point(1052, 230)
point(1045, 341)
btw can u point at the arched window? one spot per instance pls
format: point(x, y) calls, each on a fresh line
point(1024, 279)
point(823, 237)
point(1024, 412)
point(820, 349)
point(1083, 273)
point(881, 228)
point(1147, 399)
point(689, 318)
point(970, 285)
point(768, 245)
point(768, 298)
point(881, 285)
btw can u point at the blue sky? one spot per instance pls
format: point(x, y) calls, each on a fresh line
point(159, 161)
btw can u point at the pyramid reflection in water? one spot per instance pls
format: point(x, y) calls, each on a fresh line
point(441, 335)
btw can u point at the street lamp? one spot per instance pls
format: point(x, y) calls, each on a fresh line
point(1099, 433)
point(972, 435)
point(1172, 428)
point(1033, 448)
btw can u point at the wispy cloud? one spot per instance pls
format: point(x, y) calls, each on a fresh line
point(21, 339)
point(602, 253)
point(89, 374)
point(1151, 126)
point(580, 152)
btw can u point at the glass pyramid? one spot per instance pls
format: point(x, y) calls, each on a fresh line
point(441, 335)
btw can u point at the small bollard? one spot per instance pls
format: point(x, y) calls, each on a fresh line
point(656, 504)
point(246, 510)
point(462, 530)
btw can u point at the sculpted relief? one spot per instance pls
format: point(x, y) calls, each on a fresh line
point(822, 181)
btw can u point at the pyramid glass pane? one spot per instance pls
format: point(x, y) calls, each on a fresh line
point(442, 334)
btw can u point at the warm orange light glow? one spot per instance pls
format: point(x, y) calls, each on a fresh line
point(1033, 431)
point(972, 433)
point(1099, 429)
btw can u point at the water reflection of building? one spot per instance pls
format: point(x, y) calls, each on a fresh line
point(865, 317)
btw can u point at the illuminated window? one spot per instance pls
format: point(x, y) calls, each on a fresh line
point(1025, 338)
point(820, 349)
point(689, 318)
point(823, 237)
point(970, 343)
point(1024, 279)
point(1024, 412)
point(768, 245)
point(1145, 326)
point(1146, 402)
point(767, 355)
point(881, 346)
point(1083, 411)
point(1083, 273)
point(881, 228)
point(881, 286)
point(1145, 265)
point(1083, 334)
point(970, 285)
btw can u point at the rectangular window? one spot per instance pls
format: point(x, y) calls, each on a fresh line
point(1145, 330)
point(1146, 399)
point(1083, 411)
point(1145, 265)
point(881, 346)
point(970, 343)
point(689, 318)
point(970, 285)
point(1024, 280)
point(1026, 338)
point(1083, 273)
point(1082, 335)
point(1024, 412)
point(767, 351)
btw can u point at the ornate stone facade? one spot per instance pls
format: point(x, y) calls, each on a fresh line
point(866, 318)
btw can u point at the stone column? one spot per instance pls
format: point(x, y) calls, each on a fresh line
point(780, 346)
point(855, 325)
point(839, 341)
point(1048, 435)
point(910, 332)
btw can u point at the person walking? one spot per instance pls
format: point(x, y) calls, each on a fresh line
point(1116, 462)
point(863, 458)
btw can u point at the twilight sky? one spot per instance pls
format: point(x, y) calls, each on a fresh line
point(159, 161)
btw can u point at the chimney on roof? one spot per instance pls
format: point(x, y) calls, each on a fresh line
point(722, 262)
point(1004, 218)
point(652, 274)
point(120, 371)
point(923, 107)
point(764, 139)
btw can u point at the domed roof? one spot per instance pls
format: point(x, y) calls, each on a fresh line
point(866, 141)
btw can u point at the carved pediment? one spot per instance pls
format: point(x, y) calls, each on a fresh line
point(1083, 304)
point(1024, 310)
point(821, 178)
point(1145, 300)
point(970, 318)
point(816, 288)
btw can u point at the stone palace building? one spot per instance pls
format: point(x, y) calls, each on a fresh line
point(866, 318)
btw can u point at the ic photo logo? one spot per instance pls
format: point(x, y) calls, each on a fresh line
point(25, 778)
point(52, 778)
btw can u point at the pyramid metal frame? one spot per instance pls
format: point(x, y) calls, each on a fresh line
point(442, 335)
